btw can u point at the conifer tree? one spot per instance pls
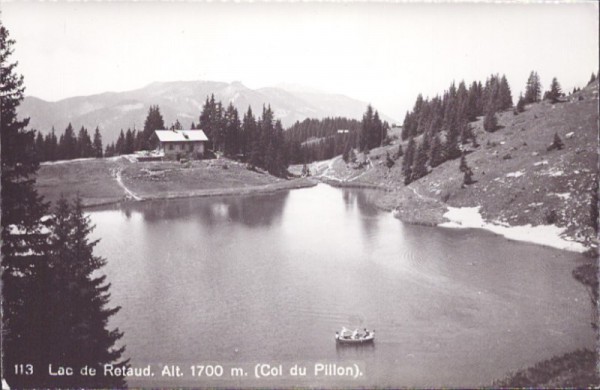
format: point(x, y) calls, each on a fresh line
point(505, 95)
point(22, 239)
point(533, 89)
point(419, 168)
point(176, 125)
point(555, 91)
point(346, 154)
point(436, 155)
point(406, 126)
point(129, 142)
point(38, 303)
point(521, 104)
point(472, 102)
point(84, 144)
point(248, 133)
point(352, 156)
point(592, 79)
point(451, 148)
point(40, 147)
point(378, 132)
point(466, 131)
point(78, 336)
point(232, 131)
point(110, 150)
point(366, 129)
point(120, 145)
point(97, 144)
point(407, 161)
point(154, 121)
point(67, 145)
point(51, 147)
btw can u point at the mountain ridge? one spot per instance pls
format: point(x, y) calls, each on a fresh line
point(182, 100)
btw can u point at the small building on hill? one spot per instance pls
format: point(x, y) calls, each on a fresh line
point(178, 144)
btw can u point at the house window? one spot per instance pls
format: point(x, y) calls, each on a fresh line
point(170, 146)
point(191, 147)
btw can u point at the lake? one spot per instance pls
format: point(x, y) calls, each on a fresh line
point(241, 281)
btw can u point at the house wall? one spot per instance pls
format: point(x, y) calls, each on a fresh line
point(183, 149)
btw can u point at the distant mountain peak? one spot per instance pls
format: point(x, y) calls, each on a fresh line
point(183, 100)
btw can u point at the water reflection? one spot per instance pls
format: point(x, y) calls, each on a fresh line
point(356, 351)
point(359, 200)
point(250, 211)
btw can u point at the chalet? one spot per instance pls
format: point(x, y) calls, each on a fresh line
point(182, 143)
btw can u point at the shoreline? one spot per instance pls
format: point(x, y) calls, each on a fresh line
point(213, 192)
point(435, 214)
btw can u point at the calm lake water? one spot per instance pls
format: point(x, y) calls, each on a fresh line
point(238, 281)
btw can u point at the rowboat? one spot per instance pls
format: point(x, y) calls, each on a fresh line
point(347, 336)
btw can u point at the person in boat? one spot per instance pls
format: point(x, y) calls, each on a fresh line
point(366, 333)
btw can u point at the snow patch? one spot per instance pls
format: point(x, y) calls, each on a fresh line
point(555, 172)
point(564, 195)
point(68, 161)
point(515, 174)
point(545, 162)
point(547, 235)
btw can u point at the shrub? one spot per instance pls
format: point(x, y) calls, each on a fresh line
point(551, 217)
point(490, 122)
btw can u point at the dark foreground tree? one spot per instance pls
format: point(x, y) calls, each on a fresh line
point(36, 303)
point(23, 240)
point(78, 296)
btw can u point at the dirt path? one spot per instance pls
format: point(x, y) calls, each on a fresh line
point(128, 192)
point(423, 197)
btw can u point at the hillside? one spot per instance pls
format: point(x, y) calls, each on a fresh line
point(183, 100)
point(518, 182)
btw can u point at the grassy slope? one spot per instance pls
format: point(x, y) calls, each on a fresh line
point(199, 178)
point(521, 200)
point(95, 179)
point(575, 370)
point(92, 179)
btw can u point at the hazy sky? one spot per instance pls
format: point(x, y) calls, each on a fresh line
point(382, 53)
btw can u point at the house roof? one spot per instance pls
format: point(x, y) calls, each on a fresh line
point(180, 135)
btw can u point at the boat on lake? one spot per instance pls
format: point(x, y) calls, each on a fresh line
point(347, 336)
